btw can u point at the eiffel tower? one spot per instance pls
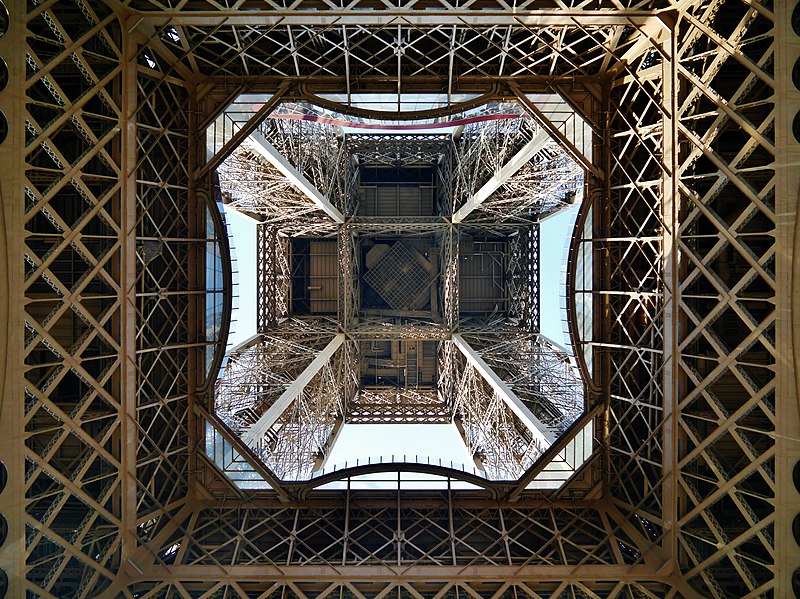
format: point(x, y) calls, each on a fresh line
point(398, 161)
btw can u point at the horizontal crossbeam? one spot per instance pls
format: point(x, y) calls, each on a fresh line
point(356, 15)
point(385, 573)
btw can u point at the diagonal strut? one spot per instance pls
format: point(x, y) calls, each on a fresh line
point(260, 144)
point(268, 418)
point(539, 430)
point(509, 169)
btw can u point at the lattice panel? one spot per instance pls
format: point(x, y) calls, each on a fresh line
point(72, 290)
point(368, 49)
point(398, 277)
point(686, 350)
point(406, 406)
point(375, 531)
point(726, 117)
point(166, 364)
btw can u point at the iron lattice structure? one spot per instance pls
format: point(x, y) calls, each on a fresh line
point(494, 429)
point(686, 241)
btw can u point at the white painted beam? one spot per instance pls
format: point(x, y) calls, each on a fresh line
point(246, 344)
point(293, 391)
point(508, 170)
point(260, 144)
point(540, 431)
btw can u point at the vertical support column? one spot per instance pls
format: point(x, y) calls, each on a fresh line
point(346, 535)
point(601, 256)
point(670, 210)
point(273, 284)
point(345, 275)
point(199, 193)
point(451, 526)
point(12, 393)
point(265, 267)
point(128, 291)
point(450, 254)
point(787, 275)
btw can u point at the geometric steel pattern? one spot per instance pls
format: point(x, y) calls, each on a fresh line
point(398, 277)
point(499, 440)
point(693, 194)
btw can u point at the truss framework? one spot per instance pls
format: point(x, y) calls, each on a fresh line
point(693, 248)
point(519, 301)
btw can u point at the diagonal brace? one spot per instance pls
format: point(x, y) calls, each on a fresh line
point(243, 132)
point(508, 170)
point(293, 391)
point(574, 152)
point(540, 431)
point(260, 144)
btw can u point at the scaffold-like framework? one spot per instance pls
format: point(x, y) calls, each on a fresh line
point(511, 137)
point(253, 186)
point(317, 152)
point(680, 300)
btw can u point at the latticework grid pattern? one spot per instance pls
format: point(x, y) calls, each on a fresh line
point(697, 243)
point(398, 277)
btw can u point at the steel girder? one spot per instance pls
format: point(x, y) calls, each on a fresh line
point(692, 234)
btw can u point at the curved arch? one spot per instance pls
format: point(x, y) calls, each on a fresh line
point(407, 127)
point(572, 320)
point(227, 282)
point(430, 113)
point(443, 471)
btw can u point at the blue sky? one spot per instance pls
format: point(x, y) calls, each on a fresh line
point(555, 233)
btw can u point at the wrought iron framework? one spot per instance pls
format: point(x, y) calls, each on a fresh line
point(399, 278)
point(692, 229)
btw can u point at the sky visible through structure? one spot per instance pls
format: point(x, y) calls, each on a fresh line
point(437, 441)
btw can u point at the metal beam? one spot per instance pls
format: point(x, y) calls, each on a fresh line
point(238, 138)
point(325, 452)
point(357, 16)
point(260, 144)
point(539, 430)
point(561, 443)
point(574, 152)
point(508, 170)
point(268, 418)
point(408, 573)
point(236, 445)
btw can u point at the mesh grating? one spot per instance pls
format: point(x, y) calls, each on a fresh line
point(398, 278)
